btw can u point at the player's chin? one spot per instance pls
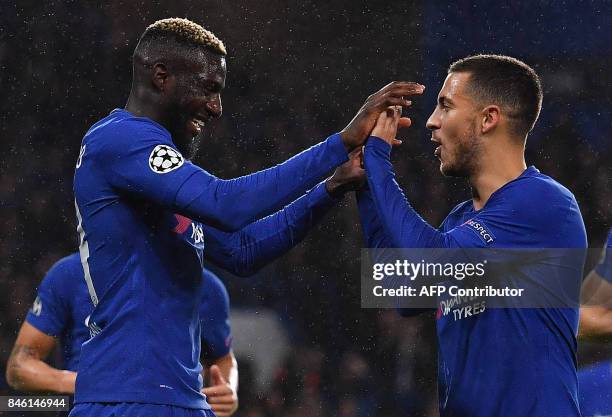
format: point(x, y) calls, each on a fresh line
point(448, 170)
point(453, 171)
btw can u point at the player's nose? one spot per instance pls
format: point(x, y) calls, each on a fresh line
point(433, 122)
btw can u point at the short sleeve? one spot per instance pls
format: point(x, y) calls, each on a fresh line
point(49, 312)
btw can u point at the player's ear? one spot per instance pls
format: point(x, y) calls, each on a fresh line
point(160, 76)
point(489, 118)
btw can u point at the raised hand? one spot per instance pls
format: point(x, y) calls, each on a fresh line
point(393, 94)
point(387, 124)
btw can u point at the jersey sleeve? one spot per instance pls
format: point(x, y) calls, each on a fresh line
point(402, 224)
point(148, 165)
point(214, 318)
point(604, 267)
point(376, 239)
point(50, 312)
point(373, 231)
point(245, 251)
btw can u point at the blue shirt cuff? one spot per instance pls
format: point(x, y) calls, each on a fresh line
point(319, 192)
point(337, 148)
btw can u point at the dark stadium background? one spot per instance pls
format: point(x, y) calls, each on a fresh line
point(297, 72)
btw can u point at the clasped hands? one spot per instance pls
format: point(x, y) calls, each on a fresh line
point(380, 116)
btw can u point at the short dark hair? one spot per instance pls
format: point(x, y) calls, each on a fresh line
point(506, 82)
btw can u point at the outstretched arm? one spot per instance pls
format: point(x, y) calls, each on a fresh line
point(242, 200)
point(247, 250)
point(150, 167)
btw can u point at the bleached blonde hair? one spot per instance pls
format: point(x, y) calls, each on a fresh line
point(184, 31)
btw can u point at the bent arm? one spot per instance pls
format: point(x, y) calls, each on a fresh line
point(26, 370)
point(244, 252)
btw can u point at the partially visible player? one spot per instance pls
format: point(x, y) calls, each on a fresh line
point(595, 381)
point(491, 362)
point(596, 313)
point(60, 314)
point(147, 216)
point(221, 368)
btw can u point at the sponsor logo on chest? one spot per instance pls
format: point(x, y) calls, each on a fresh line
point(459, 308)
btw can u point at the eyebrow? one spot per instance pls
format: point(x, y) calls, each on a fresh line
point(442, 100)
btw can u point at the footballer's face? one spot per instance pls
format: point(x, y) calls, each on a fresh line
point(453, 128)
point(196, 99)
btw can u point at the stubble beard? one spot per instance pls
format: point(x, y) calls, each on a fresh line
point(465, 155)
point(187, 145)
point(193, 146)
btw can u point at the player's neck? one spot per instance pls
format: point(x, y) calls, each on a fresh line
point(495, 170)
point(144, 108)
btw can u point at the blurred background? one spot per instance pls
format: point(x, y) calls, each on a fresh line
point(297, 72)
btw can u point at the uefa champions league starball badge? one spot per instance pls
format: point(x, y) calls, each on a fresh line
point(164, 159)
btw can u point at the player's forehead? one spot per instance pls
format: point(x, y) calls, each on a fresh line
point(208, 66)
point(454, 87)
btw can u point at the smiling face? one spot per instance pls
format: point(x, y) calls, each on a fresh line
point(454, 128)
point(195, 99)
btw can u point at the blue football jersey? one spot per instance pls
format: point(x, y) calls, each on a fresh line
point(492, 362)
point(145, 214)
point(62, 308)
